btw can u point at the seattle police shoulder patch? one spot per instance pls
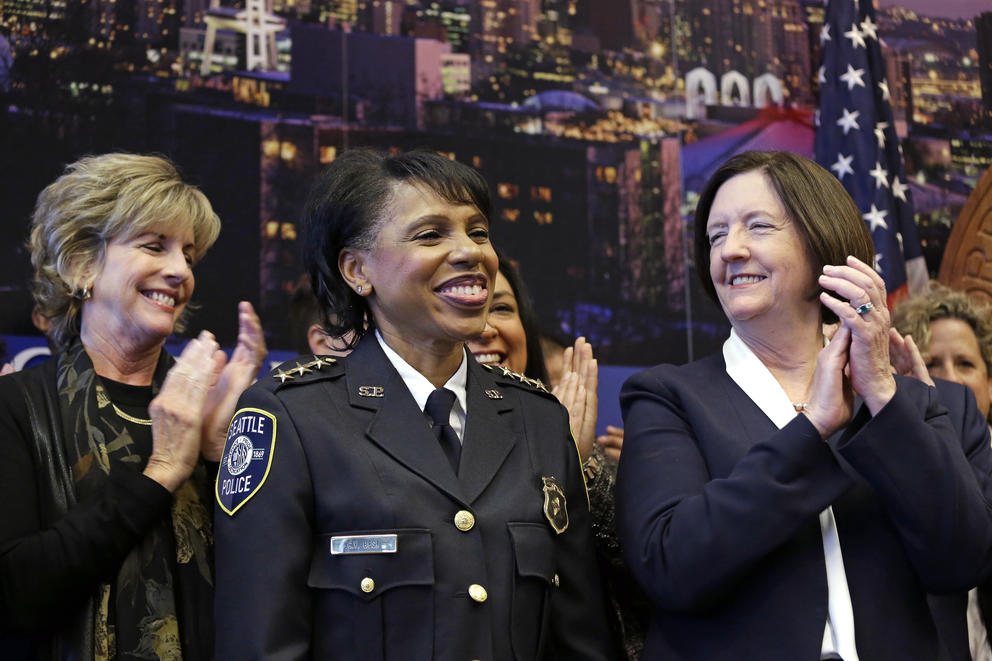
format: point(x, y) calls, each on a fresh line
point(251, 439)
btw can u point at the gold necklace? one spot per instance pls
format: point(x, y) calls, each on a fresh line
point(131, 418)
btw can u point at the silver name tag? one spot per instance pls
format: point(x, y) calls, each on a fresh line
point(349, 544)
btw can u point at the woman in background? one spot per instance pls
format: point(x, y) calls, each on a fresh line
point(108, 551)
point(954, 333)
point(511, 339)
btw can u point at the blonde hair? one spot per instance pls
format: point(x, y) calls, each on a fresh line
point(913, 316)
point(97, 199)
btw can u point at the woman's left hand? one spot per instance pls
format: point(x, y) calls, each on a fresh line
point(237, 374)
point(858, 285)
point(611, 442)
point(906, 357)
point(577, 392)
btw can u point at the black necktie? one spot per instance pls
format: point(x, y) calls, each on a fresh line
point(438, 408)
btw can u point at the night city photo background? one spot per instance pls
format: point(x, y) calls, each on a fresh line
point(575, 111)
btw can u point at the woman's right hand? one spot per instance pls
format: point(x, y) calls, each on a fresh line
point(831, 401)
point(177, 412)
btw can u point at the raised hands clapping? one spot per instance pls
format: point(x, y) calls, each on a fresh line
point(857, 358)
point(191, 412)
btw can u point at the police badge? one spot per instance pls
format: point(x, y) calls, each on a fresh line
point(554, 505)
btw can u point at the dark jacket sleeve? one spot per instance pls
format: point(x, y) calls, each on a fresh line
point(579, 626)
point(687, 537)
point(263, 606)
point(50, 569)
point(917, 461)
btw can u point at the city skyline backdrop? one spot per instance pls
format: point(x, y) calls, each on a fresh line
point(945, 8)
point(595, 124)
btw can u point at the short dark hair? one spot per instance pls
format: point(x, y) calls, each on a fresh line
point(346, 208)
point(536, 369)
point(829, 223)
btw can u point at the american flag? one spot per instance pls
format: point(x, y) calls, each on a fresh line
point(856, 140)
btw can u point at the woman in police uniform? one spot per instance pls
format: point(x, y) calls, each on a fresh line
point(404, 502)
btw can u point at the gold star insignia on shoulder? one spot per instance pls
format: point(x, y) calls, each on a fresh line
point(301, 369)
point(536, 383)
point(322, 361)
point(506, 371)
point(282, 376)
point(519, 377)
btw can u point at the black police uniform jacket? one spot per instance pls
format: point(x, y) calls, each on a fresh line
point(342, 450)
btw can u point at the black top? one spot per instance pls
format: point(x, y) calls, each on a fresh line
point(45, 572)
point(132, 401)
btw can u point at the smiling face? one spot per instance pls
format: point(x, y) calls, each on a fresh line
point(954, 355)
point(430, 271)
point(142, 286)
point(757, 260)
point(503, 341)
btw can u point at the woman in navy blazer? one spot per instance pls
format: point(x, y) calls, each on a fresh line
point(790, 498)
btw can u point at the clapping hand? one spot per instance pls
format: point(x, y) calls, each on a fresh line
point(860, 306)
point(577, 391)
point(611, 442)
point(178, 409)
point(906, 357)
point(234, 377)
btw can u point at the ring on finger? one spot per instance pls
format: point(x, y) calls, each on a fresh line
point(865, 308)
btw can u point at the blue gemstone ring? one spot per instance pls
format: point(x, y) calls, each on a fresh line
point(865, 308)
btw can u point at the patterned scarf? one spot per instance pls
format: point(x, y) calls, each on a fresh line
point(160, 605)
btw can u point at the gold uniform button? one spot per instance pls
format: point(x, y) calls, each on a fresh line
point(464, 520)
point(477, 592)
point(367, 584)
point(556, 581)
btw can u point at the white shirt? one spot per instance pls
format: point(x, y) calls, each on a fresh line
point(421, 388)
point(760, 385)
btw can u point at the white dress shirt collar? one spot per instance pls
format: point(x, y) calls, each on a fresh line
point(421, 388)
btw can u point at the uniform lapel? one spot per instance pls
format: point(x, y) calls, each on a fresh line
point(488, 438)
point(398, 425)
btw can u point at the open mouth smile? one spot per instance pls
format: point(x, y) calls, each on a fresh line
point(465, 291)
point(490, 357)
point(745, 279)
point(162, 298)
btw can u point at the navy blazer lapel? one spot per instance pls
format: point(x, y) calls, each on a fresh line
point(488, 438)
point(752, 421)
point(398, 426)
point(756, 425)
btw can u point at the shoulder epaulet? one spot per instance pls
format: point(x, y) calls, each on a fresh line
point(299, 370)
point(517, 379)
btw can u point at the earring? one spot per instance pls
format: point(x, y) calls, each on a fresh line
point(84, 295)
point(359, 289)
